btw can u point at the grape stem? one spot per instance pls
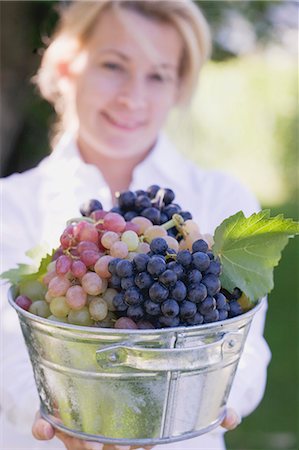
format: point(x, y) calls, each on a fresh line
point(79, 219)
point(178, 222)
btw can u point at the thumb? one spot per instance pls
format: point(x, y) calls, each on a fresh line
point(41, 429)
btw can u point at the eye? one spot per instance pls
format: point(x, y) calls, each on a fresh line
point(112, 66)
point(157, 77)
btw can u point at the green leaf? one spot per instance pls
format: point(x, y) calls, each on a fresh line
point(26, 272)
point(250, 248)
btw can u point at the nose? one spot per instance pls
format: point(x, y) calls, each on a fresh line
point(133, 94)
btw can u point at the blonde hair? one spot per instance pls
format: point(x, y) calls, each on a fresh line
point(78, 20)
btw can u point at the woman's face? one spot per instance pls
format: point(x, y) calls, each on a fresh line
point(124, 83)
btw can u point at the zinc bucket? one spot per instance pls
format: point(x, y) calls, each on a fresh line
point(133, 387)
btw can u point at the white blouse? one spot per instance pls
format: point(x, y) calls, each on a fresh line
point(36, 205)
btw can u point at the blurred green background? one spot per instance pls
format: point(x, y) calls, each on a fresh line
point(243, 119)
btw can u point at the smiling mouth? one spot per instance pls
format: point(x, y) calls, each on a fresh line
point(123, 124)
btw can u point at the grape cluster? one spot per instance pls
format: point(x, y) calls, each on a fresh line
point(113, 272)
point(168, 289)
point(154, 203)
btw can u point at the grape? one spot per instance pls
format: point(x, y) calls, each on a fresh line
point(153, 232)
point(186, 215)
point(125, 323)
point(168, 278)
point(130, 226)
point(197, 293)
point(200, 260)
point(172, 243)
point(80, 317)
point(179, 291)
point(59, 307)
point(211, 316)
point(197, 319)
point(89, 257)
point(170, 210)
point(194, 276)
point(92, 283)
point(76, 297)
point(214, 268)
point(97, 215)
point(67, 239)
point(119, 250)
point(212, 284)
point(124, 268)
point(152, 308)
point(126, 200)
point(63, 264)
point(177, 268)
point(199, 246)
point(135, 312)
point(140, 262)
point(191, 227)
point(86, 245)
point(98, 308)
point(158, 292)
point(88, 207)
point(143, 280)
point(127, 282)
point(115, 282)
point(159, 246)
point(112, 265)
point(40, 308)
point(184, 258)
point(85, 231)
point(78, 268)
point(32, 289)
point(187, 310)
point(223, 314)
point(131, 239)
point(143, 247)
point(119, 302)
point(108, 239)
point(168, 196)
point(207, 305)
point(58, 286)
point(142, 202)
point(169, 321)
point(133, 296)
point(235, 308)
point(144, 325)
point(156, 266)
point(56, 319)
point(108, 296)
point(143, 223)
point(114, 222)
point(23, 302)
point(220, 300)
point(170, 308)
point(101, 267)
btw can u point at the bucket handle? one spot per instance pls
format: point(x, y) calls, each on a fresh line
point(172, 359)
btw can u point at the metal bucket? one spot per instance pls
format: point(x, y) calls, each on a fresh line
point(134, 387)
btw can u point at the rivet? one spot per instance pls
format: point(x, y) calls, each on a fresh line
point(113, 357)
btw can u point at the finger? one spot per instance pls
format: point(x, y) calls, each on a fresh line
point(231, 420)
point(41, 429)
point(72, 443)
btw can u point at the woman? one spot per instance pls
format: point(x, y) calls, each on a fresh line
point(113, 72)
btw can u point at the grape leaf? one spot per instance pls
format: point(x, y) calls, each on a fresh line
point(249, 249)
point(25, 272)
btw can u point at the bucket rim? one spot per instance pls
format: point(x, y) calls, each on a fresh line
point(125, 331)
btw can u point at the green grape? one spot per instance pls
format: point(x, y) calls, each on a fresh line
point(56, 319)
point(98, 308)
point(80, 317)
point(59, 307)
point(40, 308)
point(33, 289)
point(131, 239)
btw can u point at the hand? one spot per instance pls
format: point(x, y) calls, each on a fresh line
point(231, 420)
point(43, 430)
